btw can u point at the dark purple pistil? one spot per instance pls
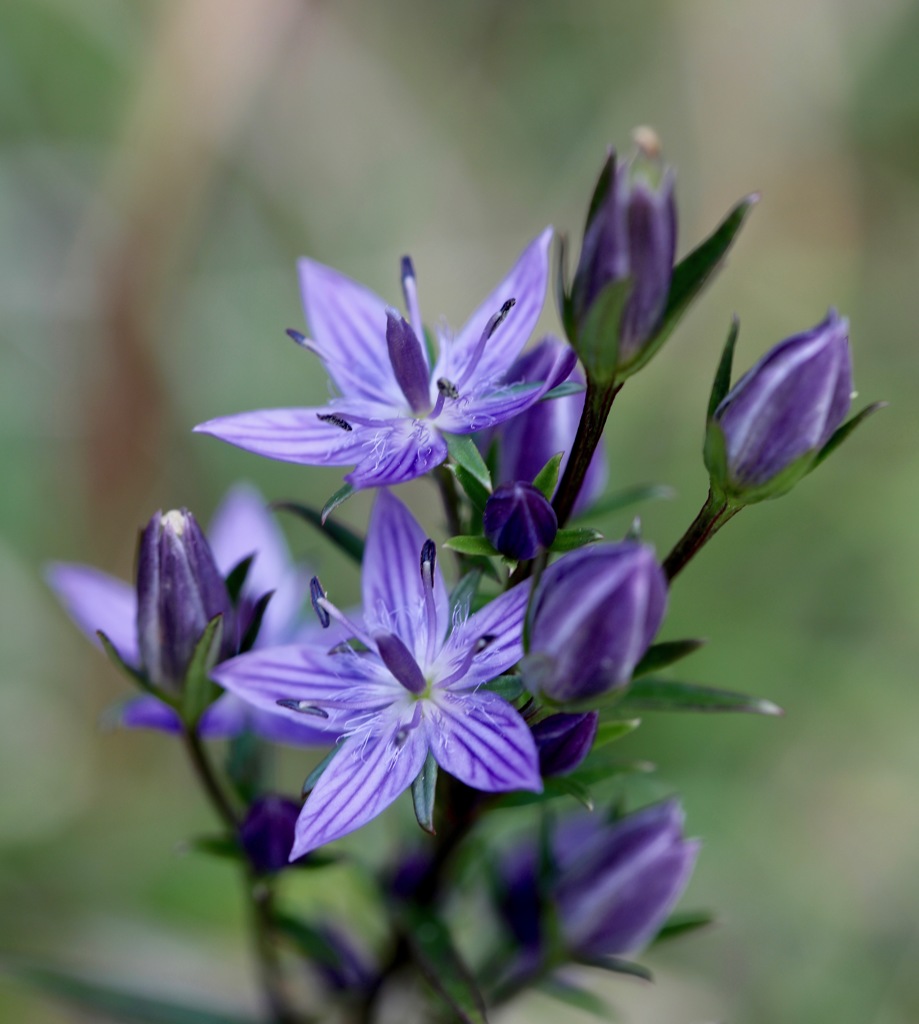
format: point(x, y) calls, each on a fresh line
point(398, 659)
point(408, 362)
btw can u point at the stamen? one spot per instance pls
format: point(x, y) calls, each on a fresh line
point(493, 324)
point(296, 336)
point(403, 733)
point(447, 388)
point(317, 594)
point(486, 640)
point(428, 563)
point(302, 707)
point(480, 645)
point(410, 291)
point(331, 417)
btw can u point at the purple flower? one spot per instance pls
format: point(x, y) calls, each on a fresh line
point(611, 886)
point(563, 741)
point(519, 521)
point(527, 442)
point(766, 431)
point(411, 683)
point(242, 527)
point(594, 614)
point(393, 405)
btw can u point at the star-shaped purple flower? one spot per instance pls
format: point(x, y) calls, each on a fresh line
point(393, 406)
point(412, 685)
point(241, 527)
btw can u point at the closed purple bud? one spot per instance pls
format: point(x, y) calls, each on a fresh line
point(179, 590)
point(519, 521)
point(592, 617)
point(563, 741)
point(267, 834)
point(780, 412)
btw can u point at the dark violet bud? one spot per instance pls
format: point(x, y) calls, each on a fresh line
point(592, 617)
point(563, 741)
point(630, 234)
point(618, 881)
point(767, 430)
point(267, 834)
point(348, 968)
point(519, 521)
point(179, 590)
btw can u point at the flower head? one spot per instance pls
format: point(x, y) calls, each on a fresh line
point(410, 683)
point(394, 403)
point(180, 587)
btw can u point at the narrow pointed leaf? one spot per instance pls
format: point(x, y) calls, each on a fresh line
point(598, 338)
point(562, 300)
point(236, 579)
point(844, 431)
point(509, 687)
point(574, 537)
point(683, 923)
point(338, 498)
point(609, 732)
point(634, 531)
point(222, 847)
point(722, 382)
point(664, 695)
point(469, 545)
point(138, 677)
point(547, 478)
point(473, 489)
point(668, 652)
point(255, 623)
point(313, 777)
point(577, 998)
point(563, 390)
point(423, 791)
point(553, 788)
point(342, 536)
point(617, 966)
point(464, 453)
point(198, 692)
point(432, 950)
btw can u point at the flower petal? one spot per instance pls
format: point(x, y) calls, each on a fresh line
point(348, 324)
point(393, 588)
point(397, 451)
point(364, 778)
point(148, 713)
point(97, 601)
point(482, 741)
point(527, 284)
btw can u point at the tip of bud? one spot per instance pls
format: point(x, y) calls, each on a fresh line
point(173, 520)
point(648, 141)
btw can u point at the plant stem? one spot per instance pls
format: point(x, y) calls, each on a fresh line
point(598, 401)
point(208, 779)
point(714, 513)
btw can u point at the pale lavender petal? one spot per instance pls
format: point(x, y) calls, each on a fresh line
point(302, 731)
point(393, 589)
point(527, 284)
point(482, 741)
point(396, 452)
point(364, 778)
point(97, 601)
point(294, 435)
point(148, 713)
point(348, 325)
point(226, 717)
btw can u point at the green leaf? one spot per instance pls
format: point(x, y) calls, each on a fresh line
point(563, 390)
point(510, 687)
point(432, 950)
point(464, 453)
point(554, 787)
point(659, 656)
point(247, 764)
point(844, 431)
point(631, 496)
point(221, 846)
point(547, 478)
point(423, 791)
point(562, 300)
point(137, 676)
point(684, 922)
point(577, 998)
point(602, 189)
point(617, 966)
point(600, 764)
point(475, 492)
point(198, 692)
point(343, 537)
point(575, 537)
point(313, 777)
point(468, 545)
point(721, 385)
point(598, 337)
point(664, 695)
point(255, 622)
point(463, 595)
point(338, 498)
point(236, 579)
point(105, 1001)
point(609, 732)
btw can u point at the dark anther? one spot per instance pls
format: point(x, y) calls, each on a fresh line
point(428, 561)
point(330, 417)
point(296, 336)
point(400, 738)
point(499, 317)
point(302, 707)
point(447, 388)
point(408, 268)
point(484, 641)
point(316, 595)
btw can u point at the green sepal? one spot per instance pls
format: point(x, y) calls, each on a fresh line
point(617, 966)
point(508, 686)
point(597, 342)
point(633, 533)
point(464, 453)
point(433, 951)
point(651, 694)
point(473, 489)
point(616, 729)
point(574, 996)
point(690, 276)
point(682, 923)
point(668, 652)
point(546, 480)
point(466, 544)
point(132, 673)
point(236, 578)
point(338, 498)
point(255, 623)
point(310, 781)
point(343, 537)
point(563, 390)
point(574, 537)
point(715, 456)
point(721, 385)
point(563, 287)
point(198, 692)
point(844, 431)
point(423, 790)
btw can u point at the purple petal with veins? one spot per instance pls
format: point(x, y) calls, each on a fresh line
point(96, 601)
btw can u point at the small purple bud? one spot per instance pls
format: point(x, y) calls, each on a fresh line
point(780, 412)
point(563, 741)
point(267, 834)
point(519, 521)
point(408, 362)
point(179, 590)
point(593, 615)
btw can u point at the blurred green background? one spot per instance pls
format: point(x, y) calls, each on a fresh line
point(162, 164)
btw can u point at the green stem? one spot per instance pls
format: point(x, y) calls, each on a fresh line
point(712, 516)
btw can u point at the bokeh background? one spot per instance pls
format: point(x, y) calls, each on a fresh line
point(162, 164)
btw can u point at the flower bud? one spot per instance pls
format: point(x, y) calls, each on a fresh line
point(630, 234)
point(767, 430)
point(179, 590)
point(592, 617)
point(519, 521)
point(267, 834)
point(563, 741)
